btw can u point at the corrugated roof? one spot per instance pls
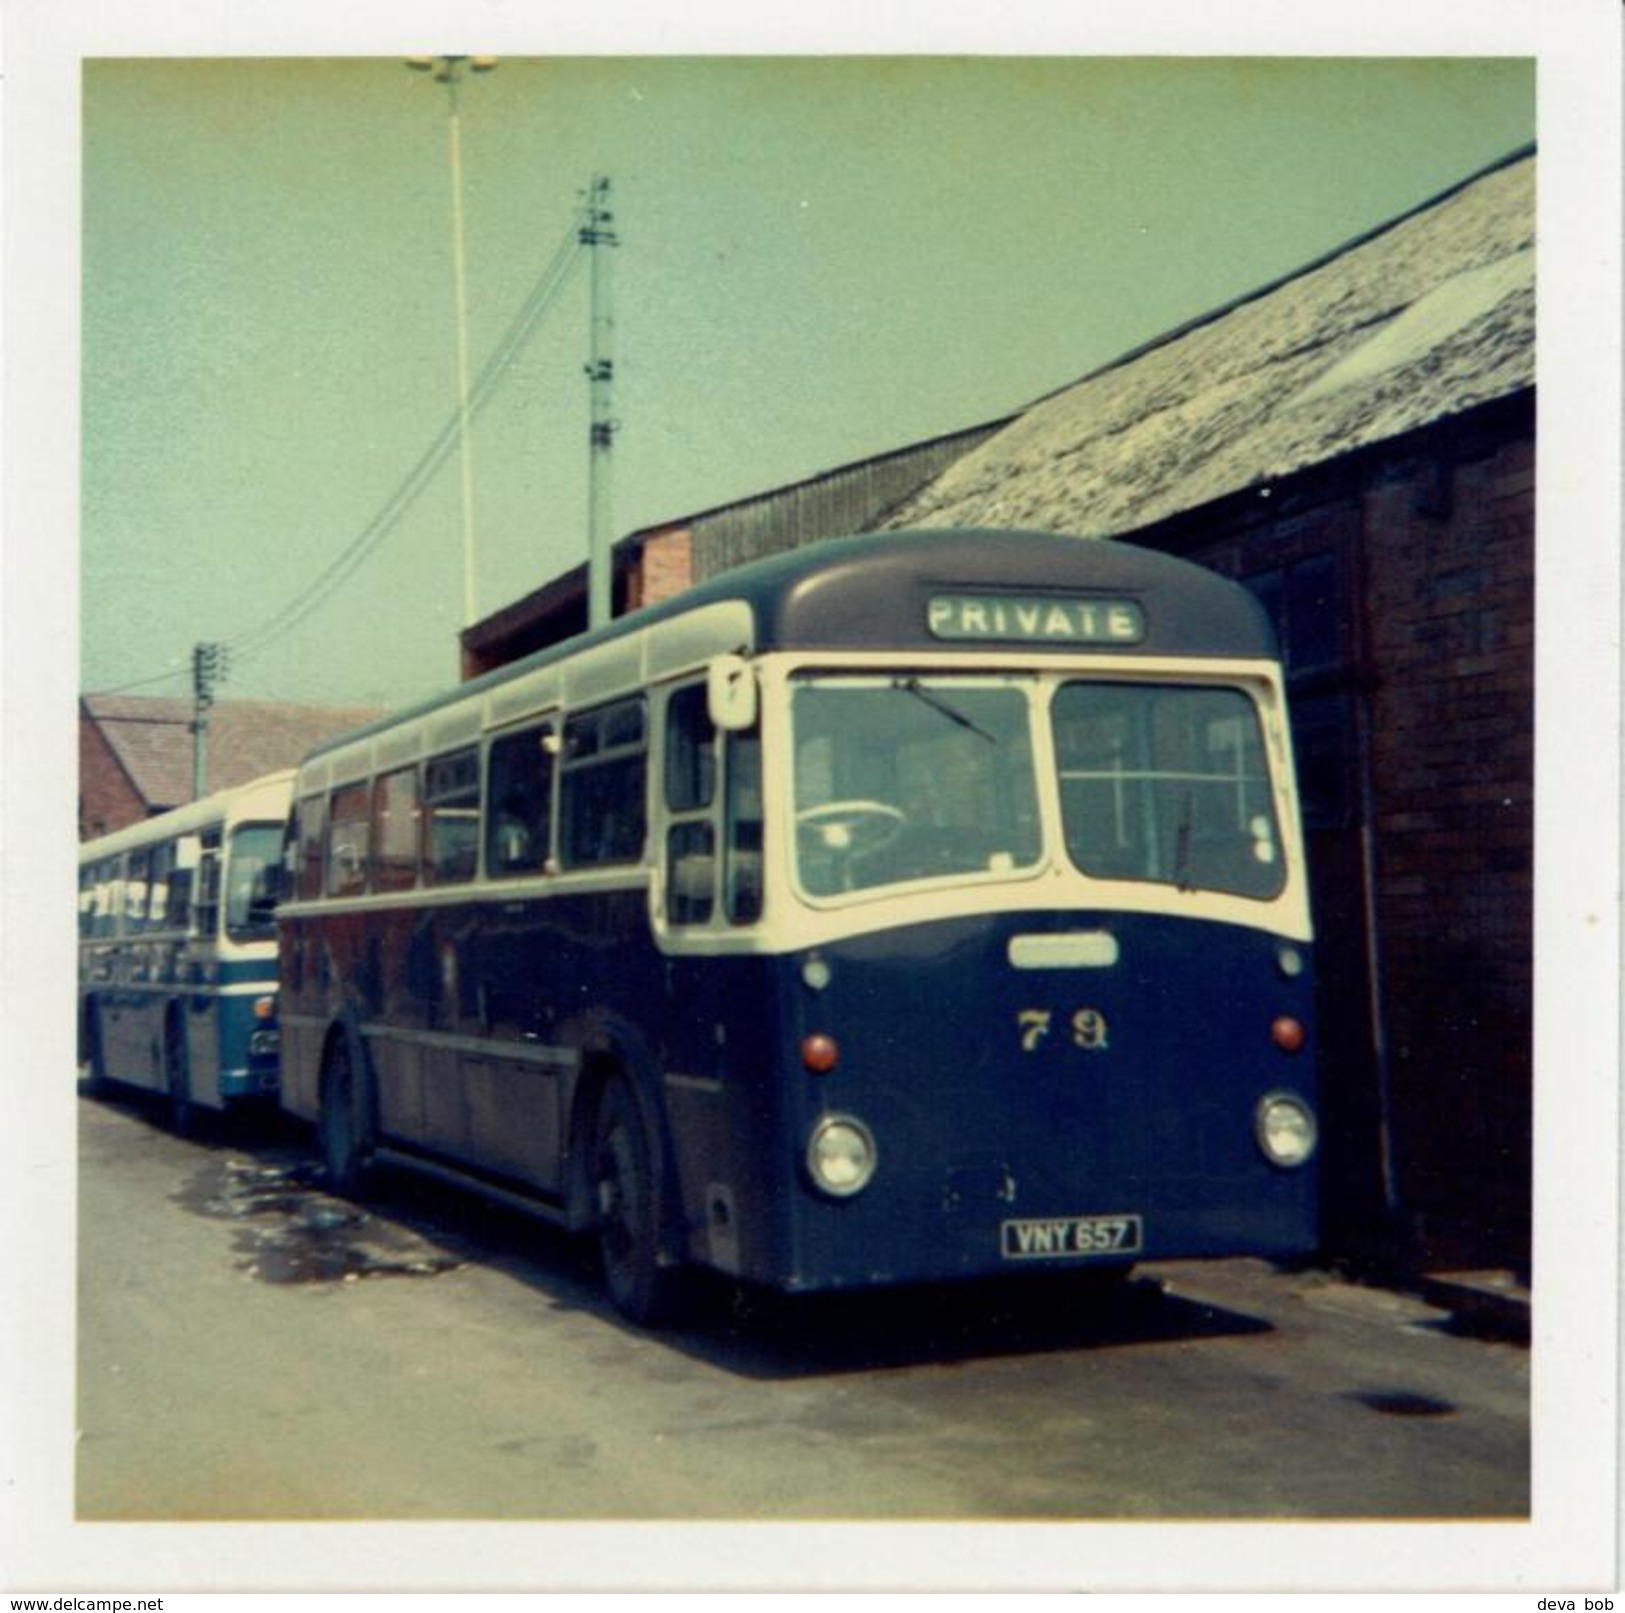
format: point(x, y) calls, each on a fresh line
point(152, 739)
point(1421, 320)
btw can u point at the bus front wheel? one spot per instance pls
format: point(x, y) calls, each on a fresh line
point(343, 1125)
point(626, 1199)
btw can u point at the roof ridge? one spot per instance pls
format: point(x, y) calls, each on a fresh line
point(1212, 316)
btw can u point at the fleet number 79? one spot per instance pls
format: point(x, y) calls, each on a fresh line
point(1088, 1026)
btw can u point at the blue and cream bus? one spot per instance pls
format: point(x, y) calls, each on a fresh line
point(178, 950)
point(904, 908)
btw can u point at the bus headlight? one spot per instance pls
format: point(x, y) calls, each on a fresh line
point(1285, 1128)
point(841, 1156)
point(1289, 960)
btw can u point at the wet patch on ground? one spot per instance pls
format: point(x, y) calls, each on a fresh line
point(290, 1231)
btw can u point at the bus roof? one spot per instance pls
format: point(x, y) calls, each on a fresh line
point(891, 590)
point(1003, 590)
point(261, 799)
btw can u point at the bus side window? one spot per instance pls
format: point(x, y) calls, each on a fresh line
point(284, 880)
point(347, 841)
point(395, 832)
point(691, 758)
point(113, 910)
point(160, 870)
point(519, 796)
point(178, 902)
point(136, 893)
point(603, 805)
point(207, 907)
point(451, 817)
point(310, 852)
point(690, 786)
point(103, 921)
point(178, 898)
point(743, 873)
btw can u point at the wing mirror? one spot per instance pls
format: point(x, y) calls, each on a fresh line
point(730, 693)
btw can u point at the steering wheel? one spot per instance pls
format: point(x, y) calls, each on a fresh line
point(855, 827)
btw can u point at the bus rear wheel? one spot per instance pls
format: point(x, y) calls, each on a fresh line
point(343, 1126)
point(92, 1071)
point(630, 1219)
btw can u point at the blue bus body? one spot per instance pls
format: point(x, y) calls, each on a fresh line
point(178, 951)
point(908, 908)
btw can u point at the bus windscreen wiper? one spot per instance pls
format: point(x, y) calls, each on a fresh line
point(914, 687)
point(1182, 843)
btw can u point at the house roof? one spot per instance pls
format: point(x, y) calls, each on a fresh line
point(1422, 319)
point(152, 740)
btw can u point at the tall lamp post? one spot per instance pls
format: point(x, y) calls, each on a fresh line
point(448, 70)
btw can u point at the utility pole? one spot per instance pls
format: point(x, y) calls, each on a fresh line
point(209, 667)
point(598, 232)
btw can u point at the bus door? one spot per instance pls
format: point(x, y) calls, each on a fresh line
point(512, 1088)
point(716, 999)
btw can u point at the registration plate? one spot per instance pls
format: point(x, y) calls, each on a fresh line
point(1072, 1236)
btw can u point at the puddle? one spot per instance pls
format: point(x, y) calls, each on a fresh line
point(1402, 1403)
point(292, 1232)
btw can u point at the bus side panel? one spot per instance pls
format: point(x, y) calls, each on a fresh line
point(393, 996)
point(519, 960)
point(129, 1021)
point(298, 1093)
point(534, 985)
point(302, 1012)
point(473, 1016)
point(168, 1003)
point(201, 1013)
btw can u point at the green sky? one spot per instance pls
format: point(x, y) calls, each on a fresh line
point(820, 259)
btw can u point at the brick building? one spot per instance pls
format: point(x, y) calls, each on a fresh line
point(1356, 443)
point(135, 753)
point(661, 561)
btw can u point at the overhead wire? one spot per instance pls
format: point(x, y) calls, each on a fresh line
point(142, 683)
point(255, 641)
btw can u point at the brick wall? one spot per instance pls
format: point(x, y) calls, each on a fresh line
point(1414, 728)
point(665, 570)
point(1451, 621)
point(107, 799)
